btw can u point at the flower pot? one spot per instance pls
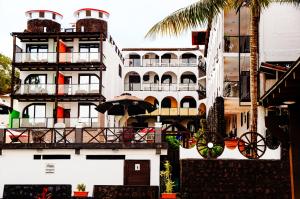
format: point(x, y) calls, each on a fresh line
point(81, 194)
point(168, 195)
point(231, 143)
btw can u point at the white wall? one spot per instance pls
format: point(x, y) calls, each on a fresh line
point(279, 29)
point(73, 171)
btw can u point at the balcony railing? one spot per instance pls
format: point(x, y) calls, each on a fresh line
point(133, 62)
point(47, 57)
point(187, 87)
point(78, 89)
point(132, 86)
point(169, 87)
point(174, 111)
point(79, 57)
point(35, 89)
point(50, 122)
point(50, 57)
point(150, 87)
point(169, 62)
point(231, 89)
point(188, 62)
point(188, 111)
point(151, 62)
point(63, 89)
point(158, 87)
point(83, 135)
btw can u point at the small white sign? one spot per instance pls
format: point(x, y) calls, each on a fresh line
point(137, 167)
point(50, 168)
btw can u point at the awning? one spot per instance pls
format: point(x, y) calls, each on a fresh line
point(286, 90)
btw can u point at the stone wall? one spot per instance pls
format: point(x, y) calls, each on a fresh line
point(235, 179)
point(125, 192)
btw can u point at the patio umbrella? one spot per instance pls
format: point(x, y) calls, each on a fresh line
point(125, 105)
point(4, 109)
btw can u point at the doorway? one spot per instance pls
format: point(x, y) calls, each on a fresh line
point(137, 172)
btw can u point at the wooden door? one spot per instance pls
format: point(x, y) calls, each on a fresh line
point(137, 172)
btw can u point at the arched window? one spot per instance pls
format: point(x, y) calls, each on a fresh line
point(35, 110)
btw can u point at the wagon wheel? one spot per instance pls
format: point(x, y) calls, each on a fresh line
point(272, 142)
point(210, 145)
point(252, 145)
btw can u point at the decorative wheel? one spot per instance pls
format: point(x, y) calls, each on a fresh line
point(271, 141)
point(210, 145)
point(252, 145)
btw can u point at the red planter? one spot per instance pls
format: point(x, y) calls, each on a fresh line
point(231, 143)
point(81, 194)
point(168, 195)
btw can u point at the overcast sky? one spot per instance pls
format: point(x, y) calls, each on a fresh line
point(129, 19)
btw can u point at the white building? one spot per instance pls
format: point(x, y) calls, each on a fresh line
point(173, 79)
point(60, 138)
point(228, 59)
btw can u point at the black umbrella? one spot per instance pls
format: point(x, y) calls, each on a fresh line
point(5, 109)
point(125, 104)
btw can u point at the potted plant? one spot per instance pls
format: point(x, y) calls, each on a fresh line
point(81, 191)
point(168, 183)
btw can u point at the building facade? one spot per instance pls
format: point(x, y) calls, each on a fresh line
point(173, 79)
point(58, 135)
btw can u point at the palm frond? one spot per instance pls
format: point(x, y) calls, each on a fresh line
point(189, 17)
point(296, 3)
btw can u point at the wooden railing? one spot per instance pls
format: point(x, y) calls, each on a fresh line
point(78, 135)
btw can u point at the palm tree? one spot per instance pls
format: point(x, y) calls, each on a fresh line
point(202, 13)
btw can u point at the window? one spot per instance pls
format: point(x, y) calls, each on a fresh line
point(88, 48)
point(53, 16)
point(87, 111)
point(120, 71)
point(100, 14)
point(36, 79)
point(88, 13)
point(41, 14)
point(35, 48)
point(35, 111)
point(88, 79)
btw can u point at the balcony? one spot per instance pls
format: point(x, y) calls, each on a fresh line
point(35, 89)
point(231, 89)
point(159, 87)
point(133, 62)
point(47, 57)
point(188, 62)
point(80, 137)
point(79, 57)
point(66, 92)
point(151, 62)
point(67, 61)
point(187, 87)
point(178, 111)
point(78, 89)
point(169, 62)
point(49, 122)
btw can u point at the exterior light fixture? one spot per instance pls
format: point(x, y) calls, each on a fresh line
point(289, 102)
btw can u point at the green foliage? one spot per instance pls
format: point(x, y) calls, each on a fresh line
point(5, 74)
point(166, 177)
point(81, 187)
point(173, 142)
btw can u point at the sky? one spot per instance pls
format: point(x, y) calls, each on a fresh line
point(128, 23)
